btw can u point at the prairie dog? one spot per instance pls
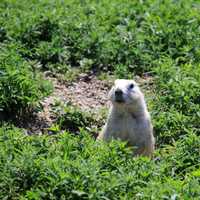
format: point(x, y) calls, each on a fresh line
point(128, 118)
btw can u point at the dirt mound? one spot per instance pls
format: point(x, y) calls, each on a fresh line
point(88, 93)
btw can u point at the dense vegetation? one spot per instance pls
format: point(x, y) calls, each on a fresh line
point(20, 85)
point(77, 167)
point(158, 38)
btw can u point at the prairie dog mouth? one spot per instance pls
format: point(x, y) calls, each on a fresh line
point(119, 100)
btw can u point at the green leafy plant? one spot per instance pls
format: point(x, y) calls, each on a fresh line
point(69, 166)
point(109, 34)
point(72, 118)
point(177, 105)
point(20, 86)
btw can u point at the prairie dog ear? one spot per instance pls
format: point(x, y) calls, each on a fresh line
point(134, 82)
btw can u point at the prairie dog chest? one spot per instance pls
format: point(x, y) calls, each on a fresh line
point(124, 126)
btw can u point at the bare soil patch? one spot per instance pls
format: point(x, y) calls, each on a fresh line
point(88, 93)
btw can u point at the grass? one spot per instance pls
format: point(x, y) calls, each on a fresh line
point(108, 34)
point(118, 38)
point(70, 167)
point(21, 86)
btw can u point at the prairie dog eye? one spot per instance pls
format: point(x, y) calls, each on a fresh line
point(131, 86)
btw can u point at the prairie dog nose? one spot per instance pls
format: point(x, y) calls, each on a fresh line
point(118, 92)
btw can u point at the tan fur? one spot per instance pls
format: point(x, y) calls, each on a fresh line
point(129, 120)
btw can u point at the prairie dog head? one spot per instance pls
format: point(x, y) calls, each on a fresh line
point(126, 93)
